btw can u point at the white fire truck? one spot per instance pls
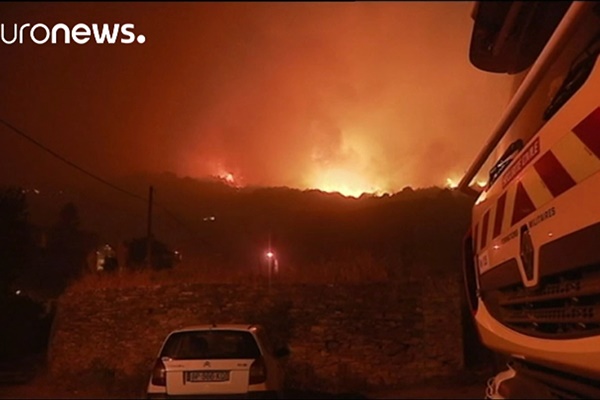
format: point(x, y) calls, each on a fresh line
point(532, 254)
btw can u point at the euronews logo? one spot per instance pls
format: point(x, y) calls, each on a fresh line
point(62, 33)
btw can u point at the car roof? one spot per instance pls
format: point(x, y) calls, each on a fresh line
point(216, 327)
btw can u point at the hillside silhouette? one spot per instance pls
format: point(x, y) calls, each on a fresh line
point(211, 222)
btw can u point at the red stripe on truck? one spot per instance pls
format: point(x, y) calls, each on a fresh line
point(499, 215)
point(588, 131)
point(523, 205)
point(554, 175)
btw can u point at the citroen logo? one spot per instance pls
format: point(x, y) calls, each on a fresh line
point(207, 364)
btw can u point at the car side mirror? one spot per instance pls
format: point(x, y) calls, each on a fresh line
point(282, 352)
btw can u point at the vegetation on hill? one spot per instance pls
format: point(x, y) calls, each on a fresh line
point(224, 233)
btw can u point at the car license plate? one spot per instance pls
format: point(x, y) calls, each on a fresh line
point(207, 376)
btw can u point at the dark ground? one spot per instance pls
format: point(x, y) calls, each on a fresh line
point(468, 386)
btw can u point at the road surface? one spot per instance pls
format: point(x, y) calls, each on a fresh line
point(41, 389)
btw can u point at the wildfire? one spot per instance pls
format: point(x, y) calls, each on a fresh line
point(451, 183)
point(351, 169)
point(227, 177)
point(344, 181)
point(222, 173)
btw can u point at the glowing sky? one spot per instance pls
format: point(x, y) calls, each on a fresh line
point(354, 97)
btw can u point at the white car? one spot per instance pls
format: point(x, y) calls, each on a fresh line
point(217, 361)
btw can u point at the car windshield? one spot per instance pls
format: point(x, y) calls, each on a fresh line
point(215, 344)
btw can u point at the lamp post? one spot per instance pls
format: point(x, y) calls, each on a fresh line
point(270, 257)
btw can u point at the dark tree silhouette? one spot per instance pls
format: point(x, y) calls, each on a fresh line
point(69, 218)
point(16, 241)
point(68, 247)
point(21, 318)
point(161, 257)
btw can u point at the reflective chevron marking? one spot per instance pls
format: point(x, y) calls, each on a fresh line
point(553, 173)
point(576, 157)
point(523, 204)
point(588, 131)
point(573, 158)
point(499, 215)
point(510, 207)
point(535, 187)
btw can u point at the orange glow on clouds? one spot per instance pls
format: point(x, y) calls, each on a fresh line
point(355, 101)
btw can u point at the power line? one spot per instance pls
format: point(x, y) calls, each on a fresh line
point(61, 158)
point(94, 176)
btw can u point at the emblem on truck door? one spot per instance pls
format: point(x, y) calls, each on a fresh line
point(527, 252)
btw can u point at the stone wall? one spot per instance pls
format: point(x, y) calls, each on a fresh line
point(341, 337)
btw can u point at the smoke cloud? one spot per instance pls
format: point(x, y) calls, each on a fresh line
point(354, 97)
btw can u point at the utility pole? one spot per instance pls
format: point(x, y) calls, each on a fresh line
point(149, 235)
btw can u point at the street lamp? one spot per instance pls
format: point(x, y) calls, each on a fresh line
point(271, 258)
